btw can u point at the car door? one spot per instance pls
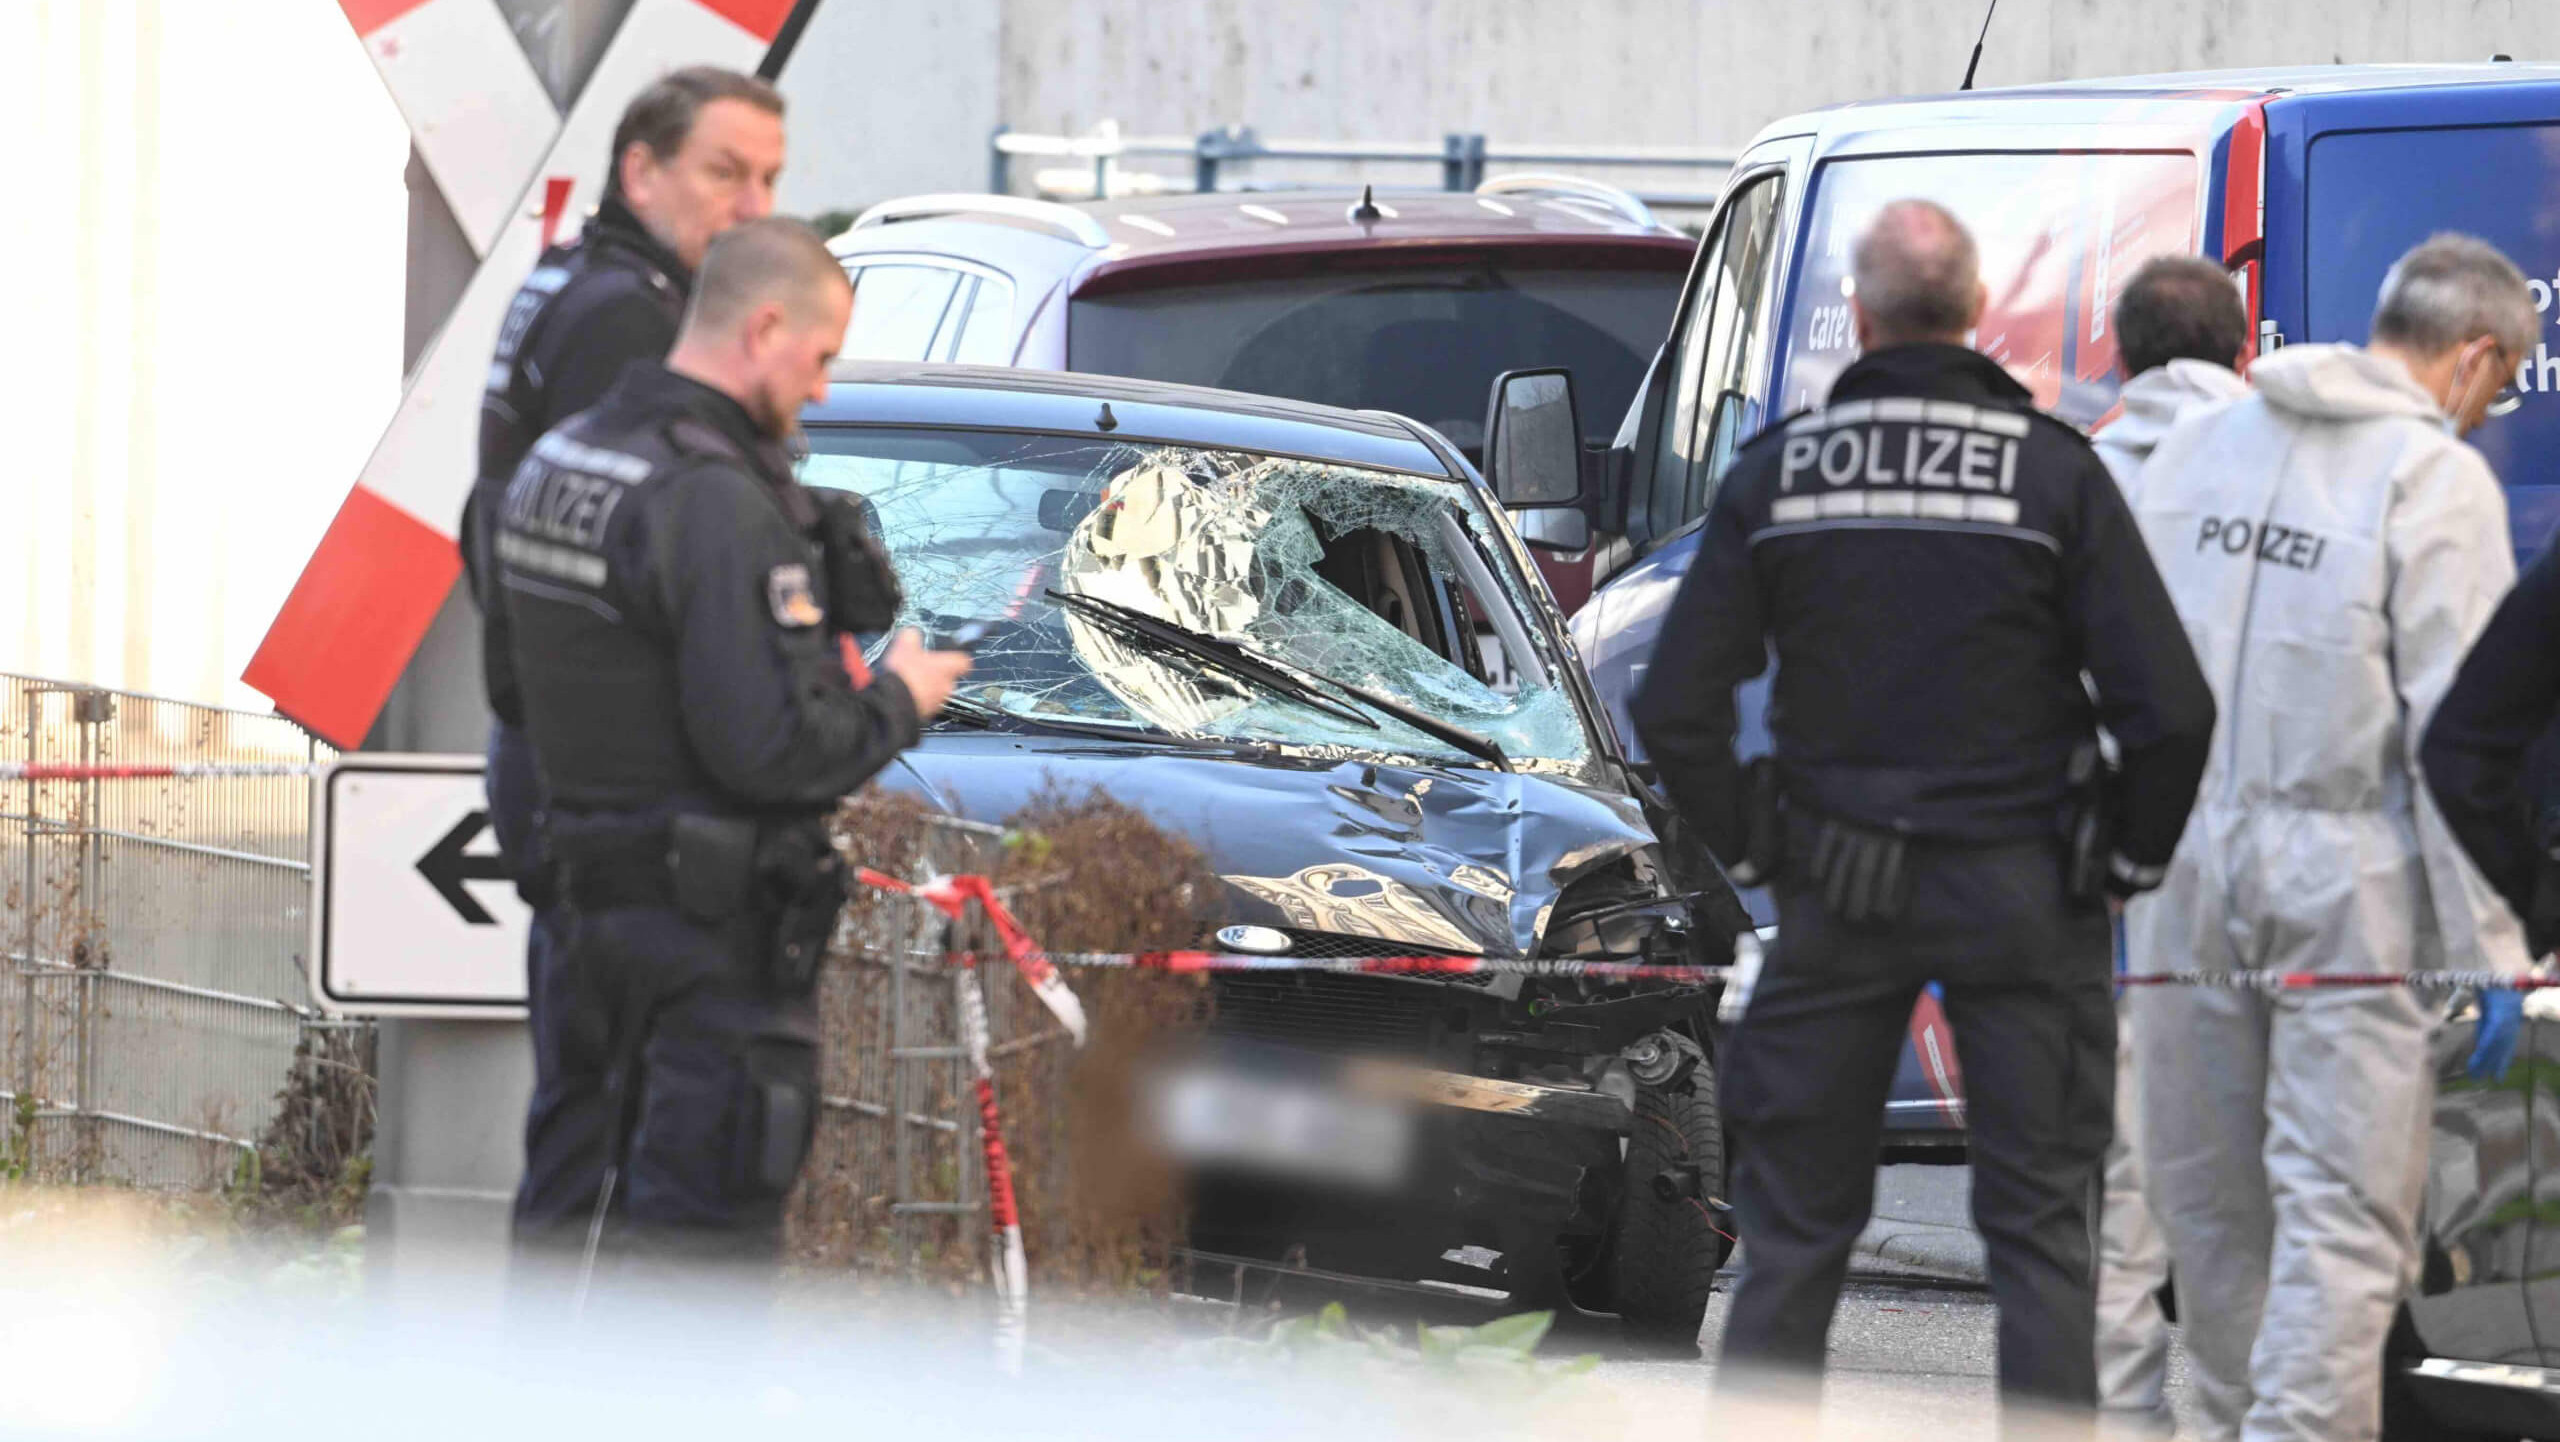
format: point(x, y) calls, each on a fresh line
point(1712, 398)
point(2489, 1270)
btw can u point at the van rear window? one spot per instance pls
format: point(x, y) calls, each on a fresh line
point(2057, 234)
point(1424, 342)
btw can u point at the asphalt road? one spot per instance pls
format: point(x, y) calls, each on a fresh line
point(1913, 1350)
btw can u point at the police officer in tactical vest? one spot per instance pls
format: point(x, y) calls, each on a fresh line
point(695, 153)
point(676, 602)
point(1957, 600)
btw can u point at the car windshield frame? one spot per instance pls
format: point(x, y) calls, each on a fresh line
point(1249, 545)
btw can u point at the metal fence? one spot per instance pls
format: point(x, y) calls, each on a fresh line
point(890, 1195)
point(155, 931)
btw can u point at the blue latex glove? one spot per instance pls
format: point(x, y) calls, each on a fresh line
point(2501, 1024)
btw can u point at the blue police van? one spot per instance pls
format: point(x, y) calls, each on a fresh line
point(2305, 184)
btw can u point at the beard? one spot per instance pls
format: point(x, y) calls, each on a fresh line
point(773, 415)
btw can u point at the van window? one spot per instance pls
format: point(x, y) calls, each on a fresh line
point(1724, 350)
point(2057, 235)
point(2373, 194)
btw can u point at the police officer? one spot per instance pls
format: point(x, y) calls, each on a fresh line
point(1935, 565)
point(695, 153)
point(675, 599)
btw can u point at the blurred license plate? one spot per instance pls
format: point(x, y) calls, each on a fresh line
point(1288, 1126)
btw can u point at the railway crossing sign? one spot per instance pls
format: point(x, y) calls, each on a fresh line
point(412, 914)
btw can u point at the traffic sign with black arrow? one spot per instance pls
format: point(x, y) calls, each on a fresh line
point(446, 866)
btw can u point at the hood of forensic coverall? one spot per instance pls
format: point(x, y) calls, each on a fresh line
point(2333, 553)
point(2341, 383)
point(2157, 400)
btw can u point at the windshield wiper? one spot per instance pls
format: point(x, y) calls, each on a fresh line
point(1474, 743)
point(1213, 651)
point(1286, 677)
point(966, 711)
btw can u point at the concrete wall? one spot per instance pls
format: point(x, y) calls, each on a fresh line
point(925, 90)
point(205, 195)
point(890, 99)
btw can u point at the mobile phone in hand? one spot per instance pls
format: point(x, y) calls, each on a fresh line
point(966, 638)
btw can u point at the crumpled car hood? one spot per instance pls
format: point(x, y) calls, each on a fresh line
point(1446, 858)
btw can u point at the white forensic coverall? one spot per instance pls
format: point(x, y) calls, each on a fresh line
point(2333, 550)
point(2133, 1258)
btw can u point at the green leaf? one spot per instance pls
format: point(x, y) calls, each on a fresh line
point(1520, 1334)
point(1439, 1344)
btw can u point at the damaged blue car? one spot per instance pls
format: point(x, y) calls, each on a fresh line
point(1307, 640)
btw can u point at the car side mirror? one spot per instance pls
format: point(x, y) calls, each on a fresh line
point(1553, 528)
point(1533, 440)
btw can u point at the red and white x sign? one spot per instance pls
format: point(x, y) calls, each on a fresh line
point(508, 167)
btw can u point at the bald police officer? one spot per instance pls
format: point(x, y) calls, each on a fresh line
point(1936, 566)
point(695, 153)
point(674, 608)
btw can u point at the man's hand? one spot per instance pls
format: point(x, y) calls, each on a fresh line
point(929, 675)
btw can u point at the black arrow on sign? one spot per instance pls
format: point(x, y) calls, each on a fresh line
point(446, 866)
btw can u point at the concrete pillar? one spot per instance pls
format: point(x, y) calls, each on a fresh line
point(448, 1140)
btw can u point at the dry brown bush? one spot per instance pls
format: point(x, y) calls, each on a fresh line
point(1083, 873)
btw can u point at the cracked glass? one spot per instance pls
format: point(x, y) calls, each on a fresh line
point(1385, 581)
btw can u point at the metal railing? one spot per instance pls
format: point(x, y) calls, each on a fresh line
point(155, 993)
point(1463, 160)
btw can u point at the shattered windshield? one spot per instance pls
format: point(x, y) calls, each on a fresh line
point(1384, 581)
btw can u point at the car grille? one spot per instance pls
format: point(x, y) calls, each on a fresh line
point(1325, 1012)
point(1330, 945)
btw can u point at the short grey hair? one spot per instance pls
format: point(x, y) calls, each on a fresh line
point(2451, 290)
point(1917, 272)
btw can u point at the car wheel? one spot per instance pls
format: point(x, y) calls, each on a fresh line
point(1668, 1239)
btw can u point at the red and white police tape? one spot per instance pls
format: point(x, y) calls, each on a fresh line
point(952, 895)
point(156, 770)
point(1009, 1271)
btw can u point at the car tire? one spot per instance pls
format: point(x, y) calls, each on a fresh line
point(1664, 1252)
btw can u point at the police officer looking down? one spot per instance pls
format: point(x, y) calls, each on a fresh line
point(676, 600)
point(695, 153)
point(1936, 566)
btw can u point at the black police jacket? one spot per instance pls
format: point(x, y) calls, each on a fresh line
point(1936, 566)
point(2491, 757)
point(609, 297)
point(669, 608)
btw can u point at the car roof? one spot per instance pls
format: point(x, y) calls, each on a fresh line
point(2191, 98)
point(1176, 238)
point(896, 393)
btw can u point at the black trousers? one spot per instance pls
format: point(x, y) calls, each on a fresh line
point(2027, 987)
point(661, 1035)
